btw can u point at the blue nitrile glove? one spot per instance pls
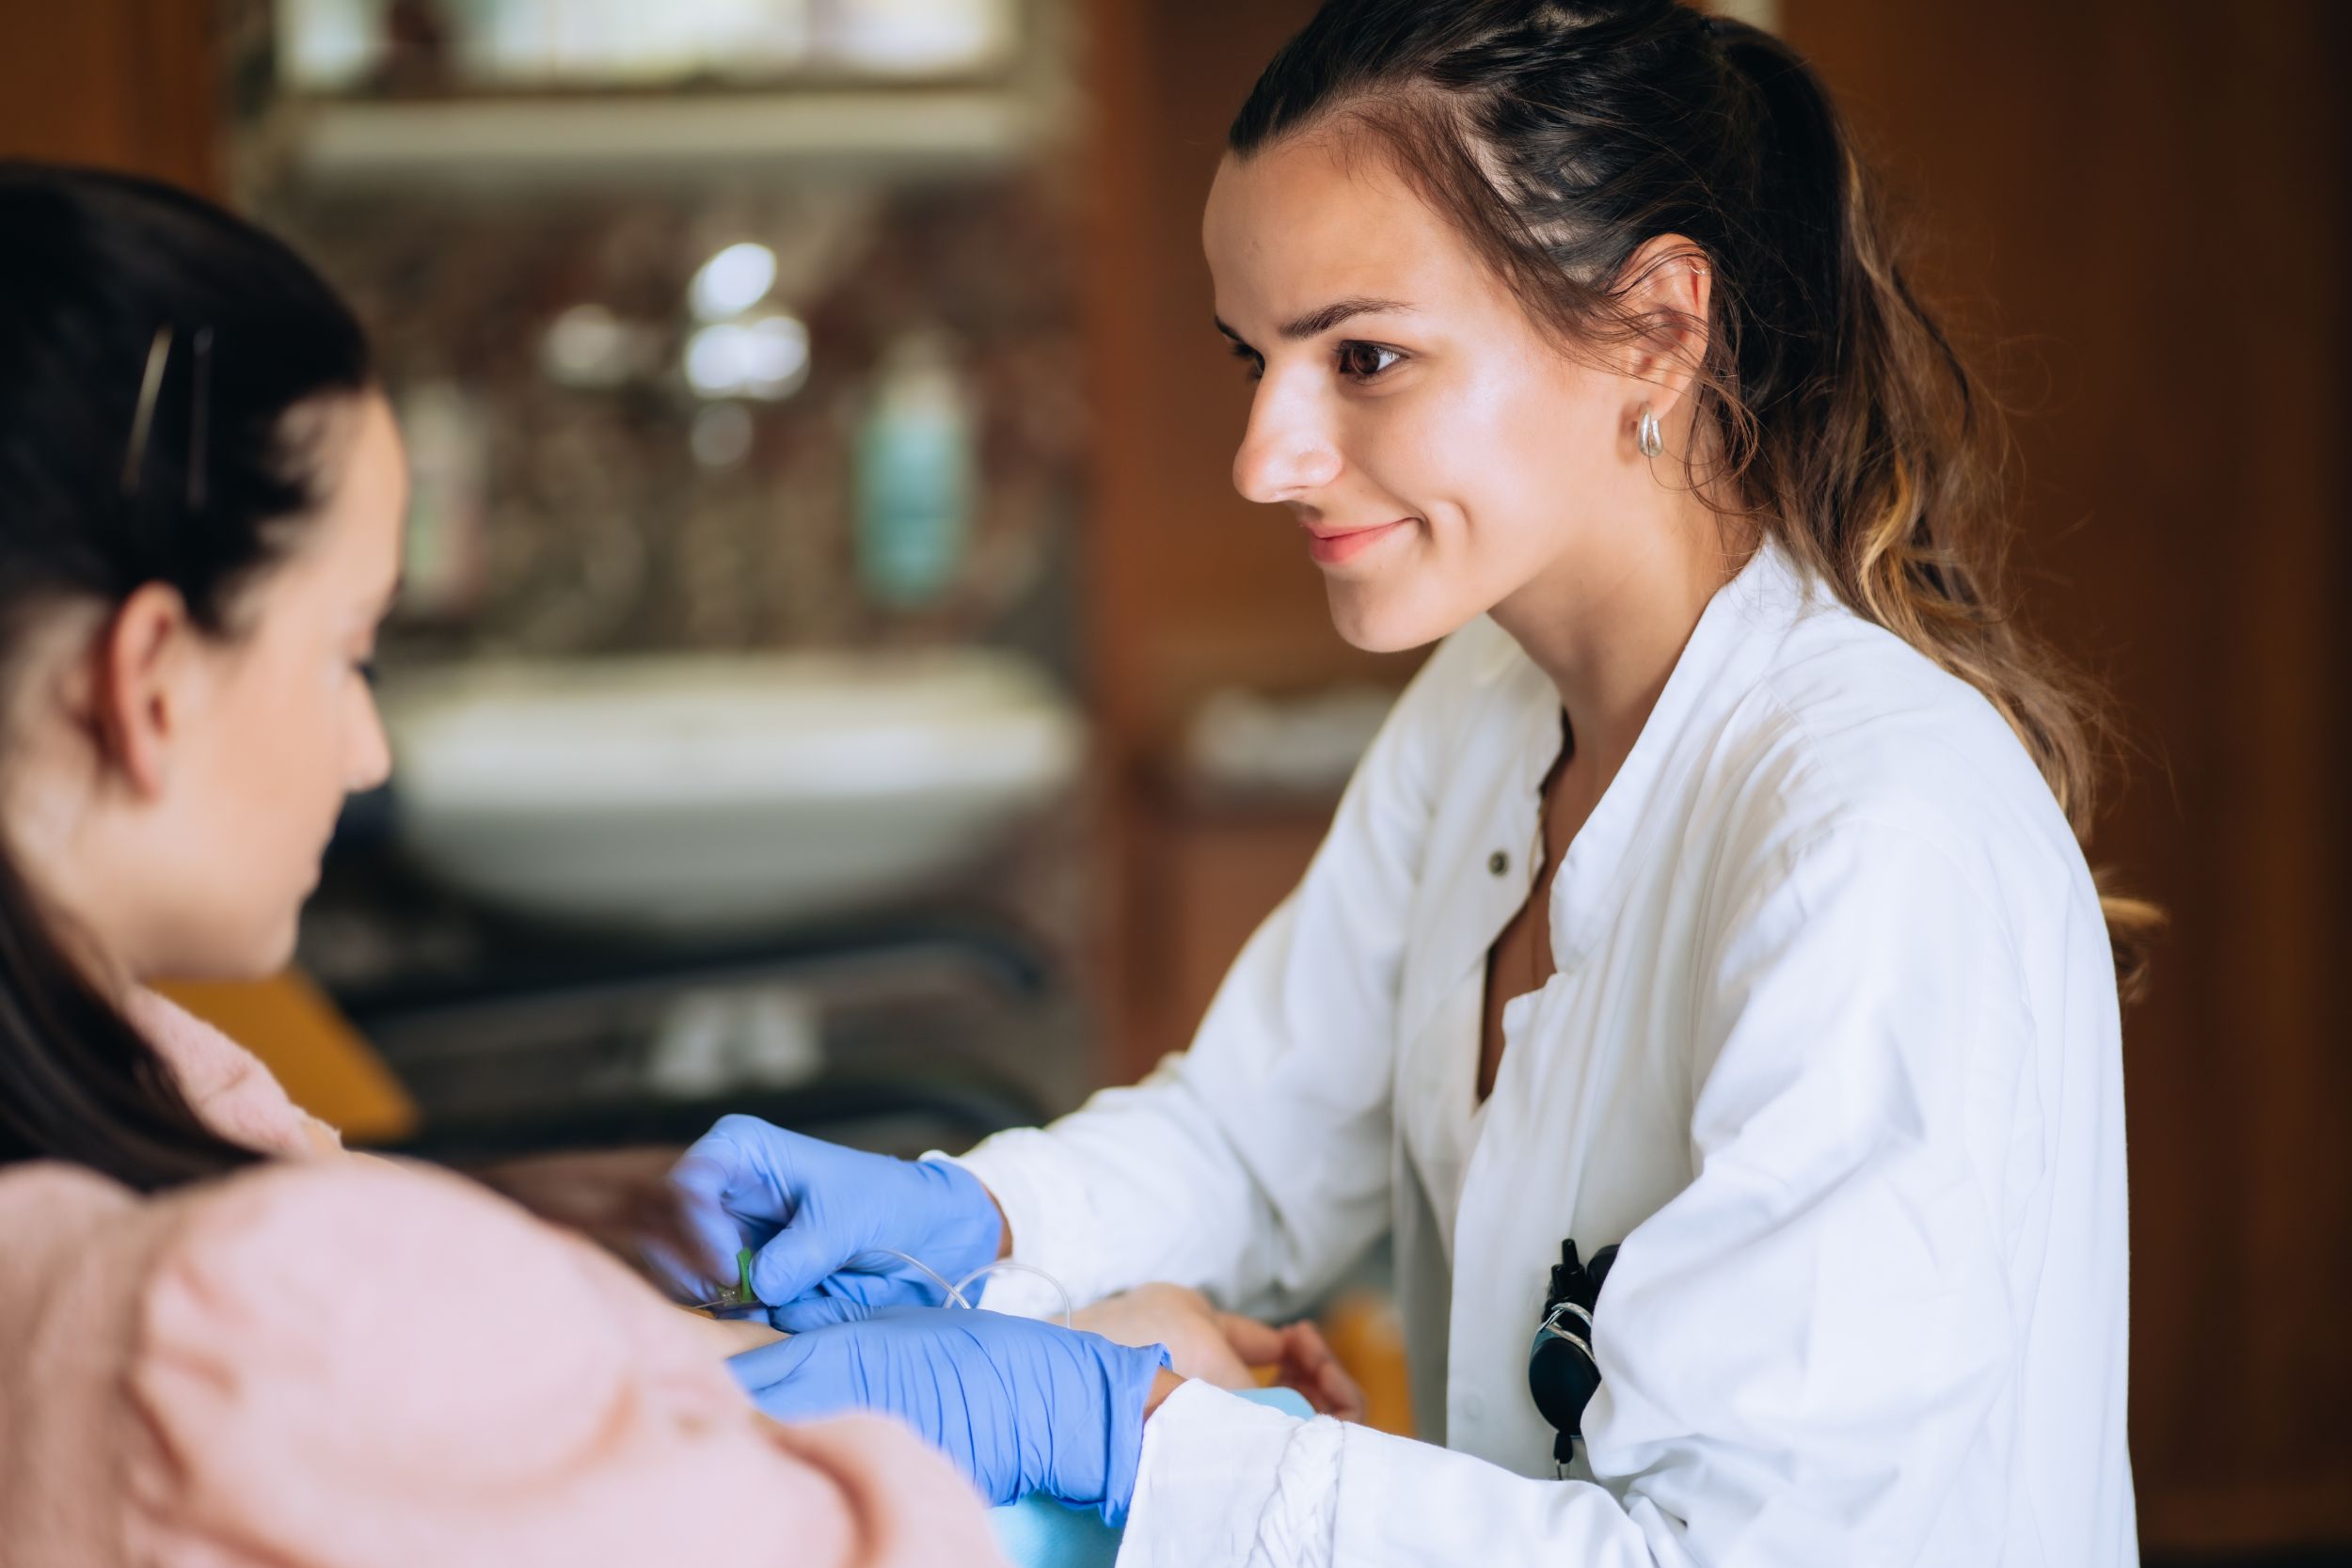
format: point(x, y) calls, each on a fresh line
point(817, 1214)
point(1019, 1405)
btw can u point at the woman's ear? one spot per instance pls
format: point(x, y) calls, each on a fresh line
point(143, 692)
point(1668, 289)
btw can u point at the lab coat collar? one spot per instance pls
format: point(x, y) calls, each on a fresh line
point(1728, 649)
point(1472, 905)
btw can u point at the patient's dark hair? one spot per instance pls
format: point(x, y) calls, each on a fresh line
point(157, 354)
point(1560, 137)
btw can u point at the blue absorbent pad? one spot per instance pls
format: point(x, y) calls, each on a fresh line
point(1039, 1533)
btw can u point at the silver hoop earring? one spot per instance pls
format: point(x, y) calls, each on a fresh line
point(1647, 435)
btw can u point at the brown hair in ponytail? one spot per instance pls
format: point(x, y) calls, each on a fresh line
point(1561, 137)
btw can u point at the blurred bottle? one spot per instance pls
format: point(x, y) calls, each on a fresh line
point(915, 474)
point(416, 61)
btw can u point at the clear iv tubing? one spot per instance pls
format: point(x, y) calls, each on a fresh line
point(955, 1290)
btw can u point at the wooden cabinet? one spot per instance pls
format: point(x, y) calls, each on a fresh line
point(123, 84)
point(1203, 877)
point(1189, 587)
point(2137, 212)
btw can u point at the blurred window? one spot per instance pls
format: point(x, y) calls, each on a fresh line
point(430, 47)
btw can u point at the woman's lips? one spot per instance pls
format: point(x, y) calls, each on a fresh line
point(1330, 549)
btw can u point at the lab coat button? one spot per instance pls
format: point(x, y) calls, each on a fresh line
point(1498, 862)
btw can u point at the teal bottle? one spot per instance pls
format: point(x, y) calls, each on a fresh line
point(915, 477)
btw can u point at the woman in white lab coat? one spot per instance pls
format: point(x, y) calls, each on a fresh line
point(1715, 890)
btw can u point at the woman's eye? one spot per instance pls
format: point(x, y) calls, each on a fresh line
point(364, 669)
point(1250, 356)
point(1363, 362)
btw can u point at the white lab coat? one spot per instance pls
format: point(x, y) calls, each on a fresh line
point(1833, 1050)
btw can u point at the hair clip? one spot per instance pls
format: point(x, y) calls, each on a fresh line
point(143, 419)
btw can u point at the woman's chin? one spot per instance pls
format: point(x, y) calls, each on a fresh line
point(265, 952)
point(1378, 623)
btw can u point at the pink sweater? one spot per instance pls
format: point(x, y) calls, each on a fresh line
point(344, 1361)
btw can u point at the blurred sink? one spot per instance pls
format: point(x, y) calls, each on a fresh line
point(715, 792)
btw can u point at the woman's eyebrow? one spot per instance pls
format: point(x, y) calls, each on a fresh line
point(1316, 322)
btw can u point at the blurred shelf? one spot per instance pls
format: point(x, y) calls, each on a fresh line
point(526, 140)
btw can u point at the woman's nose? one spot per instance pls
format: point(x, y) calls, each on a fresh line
point(370, 761)
point(1285, 454)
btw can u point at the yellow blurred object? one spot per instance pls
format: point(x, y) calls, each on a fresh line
point(326, 1067)
point(1365, 1332)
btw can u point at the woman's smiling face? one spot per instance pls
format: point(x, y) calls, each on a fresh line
point(1438, 448)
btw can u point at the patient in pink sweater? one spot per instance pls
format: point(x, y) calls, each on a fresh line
point(222, 1342)
point(344, 1361)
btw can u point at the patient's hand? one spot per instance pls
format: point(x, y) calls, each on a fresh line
point(1221, 1348)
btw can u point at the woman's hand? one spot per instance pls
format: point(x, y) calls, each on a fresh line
point(1223, 1348)
point(1020, 1407)
point(825, 1222)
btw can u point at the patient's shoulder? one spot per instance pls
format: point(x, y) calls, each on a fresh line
point(396, 1364)
point(62, 1222)
point(362, 1284)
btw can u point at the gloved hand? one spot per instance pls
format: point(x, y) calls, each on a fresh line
point(817, 1215)
point(1019, 1405)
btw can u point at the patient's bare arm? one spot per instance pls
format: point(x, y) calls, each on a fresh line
point(731, 1335)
